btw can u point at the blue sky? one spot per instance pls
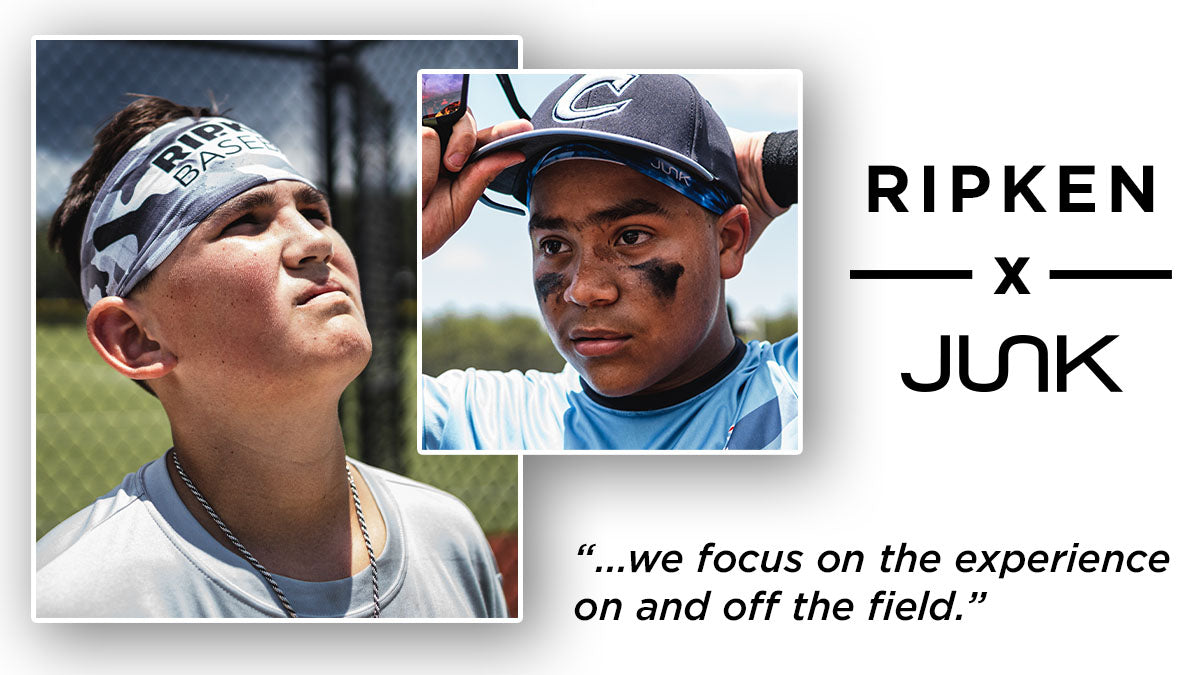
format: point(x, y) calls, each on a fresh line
point(486, 265)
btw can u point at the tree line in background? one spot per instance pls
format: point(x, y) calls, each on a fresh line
point(519, 342)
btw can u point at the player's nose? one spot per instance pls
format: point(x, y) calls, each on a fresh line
point(591, 284)
point(308, 240)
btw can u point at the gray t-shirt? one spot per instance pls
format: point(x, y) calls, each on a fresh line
point(138, 552)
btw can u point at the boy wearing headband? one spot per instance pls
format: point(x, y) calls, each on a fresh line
point(636, 217)
point(214, 276)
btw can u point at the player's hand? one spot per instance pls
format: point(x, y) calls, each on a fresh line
point(748, 149)
point(447, 197)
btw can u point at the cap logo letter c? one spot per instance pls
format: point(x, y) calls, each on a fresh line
point(565, 110)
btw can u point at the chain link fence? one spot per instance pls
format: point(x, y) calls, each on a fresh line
point(345, 113)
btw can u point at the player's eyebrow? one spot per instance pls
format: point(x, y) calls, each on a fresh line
point(307, 194)
point(243, 203)
point(540, 222)
point(303, 195)
point(626, 209)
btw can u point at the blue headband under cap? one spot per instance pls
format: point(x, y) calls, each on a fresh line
point(166, 184)
point(651, 165)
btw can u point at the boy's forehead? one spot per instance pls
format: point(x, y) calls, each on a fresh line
point(270, 194)
point(589, 192)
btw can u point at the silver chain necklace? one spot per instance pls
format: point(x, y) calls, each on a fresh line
point(287, 607)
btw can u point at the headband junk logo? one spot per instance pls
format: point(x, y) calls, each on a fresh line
point(199, 147)
point(567, 111)
point(672, 171)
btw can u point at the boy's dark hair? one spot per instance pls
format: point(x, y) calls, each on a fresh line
point(122, 132)
point(126, 128)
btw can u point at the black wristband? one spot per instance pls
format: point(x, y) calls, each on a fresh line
point(779, 165)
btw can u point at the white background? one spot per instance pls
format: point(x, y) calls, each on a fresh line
point(1022, 83)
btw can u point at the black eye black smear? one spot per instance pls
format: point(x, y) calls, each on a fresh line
point(547, 285)
point(662, 275)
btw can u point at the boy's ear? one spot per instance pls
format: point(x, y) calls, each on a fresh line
point(733, 232)
point(117, 329)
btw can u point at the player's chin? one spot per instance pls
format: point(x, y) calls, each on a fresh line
point(343, 341)
point(614, 379)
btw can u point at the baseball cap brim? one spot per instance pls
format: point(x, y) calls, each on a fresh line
point(535, 144)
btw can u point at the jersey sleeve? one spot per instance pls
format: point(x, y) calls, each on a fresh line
point(491, 410)
point(786, 352)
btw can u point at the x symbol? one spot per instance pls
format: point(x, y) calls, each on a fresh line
point(1012, 276)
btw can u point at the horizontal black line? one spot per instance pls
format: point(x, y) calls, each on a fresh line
point(910, 274)
point(1110, 274)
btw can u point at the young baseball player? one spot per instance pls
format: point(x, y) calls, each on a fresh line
point(637, 216)
point(214, 276)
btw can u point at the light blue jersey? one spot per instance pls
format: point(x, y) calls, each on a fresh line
point(750, 401)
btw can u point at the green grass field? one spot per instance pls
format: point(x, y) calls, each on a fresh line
point(93, 427)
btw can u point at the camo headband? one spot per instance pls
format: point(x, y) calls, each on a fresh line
point(161, 189)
